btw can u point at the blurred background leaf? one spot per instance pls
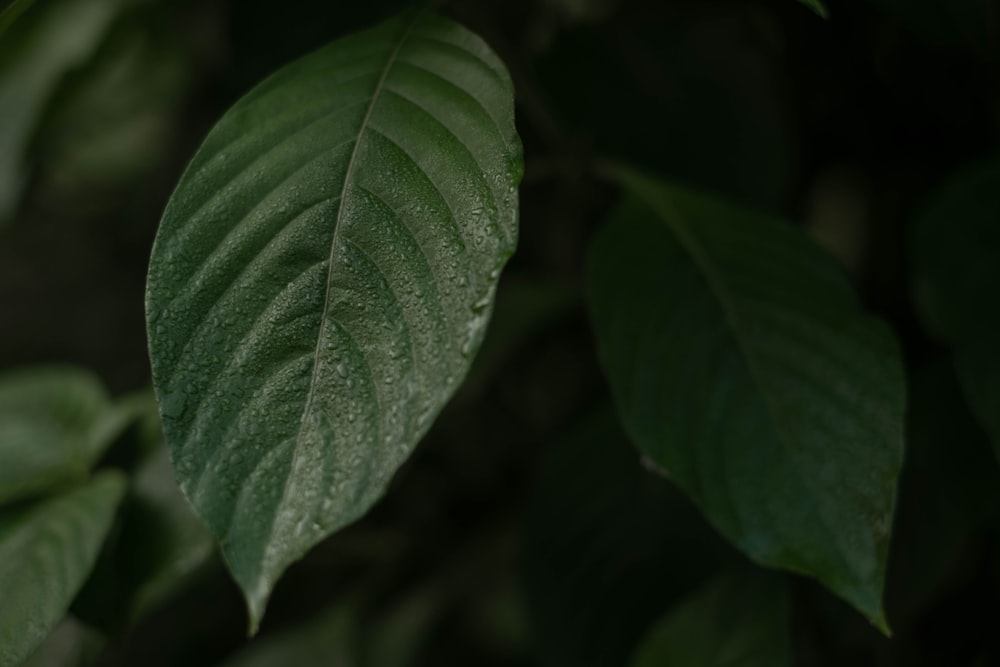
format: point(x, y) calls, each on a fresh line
point(55, 422)
point(738, 620)
point(955, 246)
point(47, 550)
point(51, 40)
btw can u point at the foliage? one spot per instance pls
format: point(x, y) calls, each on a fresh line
point(735, 399)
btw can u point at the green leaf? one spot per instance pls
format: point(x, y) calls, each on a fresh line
point(816, 6)
point(607, 545)
point(46, 551)
point(51, 40)
point(743, 365)
point(955, 254)
point(737, 621)
point(322, 278)
point(54, 424)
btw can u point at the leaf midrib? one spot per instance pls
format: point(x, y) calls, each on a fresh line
point(673, 219)
point(348, 174)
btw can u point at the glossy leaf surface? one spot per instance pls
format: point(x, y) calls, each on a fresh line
point(737, 621)
point(322, 278)
point(46, 551)
point(54, 423)
point(743, 365)
point(955, 252)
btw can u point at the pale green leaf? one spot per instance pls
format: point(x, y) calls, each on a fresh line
point(54, 423)
point(955, 251)
point(742, 364)
point(322, 278)
point(737, 621)
point(46, 551)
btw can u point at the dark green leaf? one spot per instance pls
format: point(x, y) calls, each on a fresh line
point(743, 365)
point(607, 546)
point(46, 551)
point(955, 252)
point(54, 424)
point(322, 278)
point(737, 621)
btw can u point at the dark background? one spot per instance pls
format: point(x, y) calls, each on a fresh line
point(841, 126)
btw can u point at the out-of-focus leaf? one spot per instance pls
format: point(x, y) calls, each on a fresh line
point(113, 121)
point(694, 89)
point(54, 424)
point(52, 39)
point(816, 6)
point(742, 363)
point(11, 13)
point(160, 543)
point(71, 644)
point(608, 545)
point(46, 551)
point(322, 279)
point(395, 639)
point(737, 621)
point(949, 493)
point(955, 254)
point(329, 639)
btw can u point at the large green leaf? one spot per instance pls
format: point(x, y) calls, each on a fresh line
point(742, 364)
point(54, 423)
point(737, 621)
point(46, 551)
point(322, 278)
point(955, 251)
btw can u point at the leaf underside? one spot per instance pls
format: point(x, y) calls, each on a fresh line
point(742, 365)
point(322, 277)
point(46, 551)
